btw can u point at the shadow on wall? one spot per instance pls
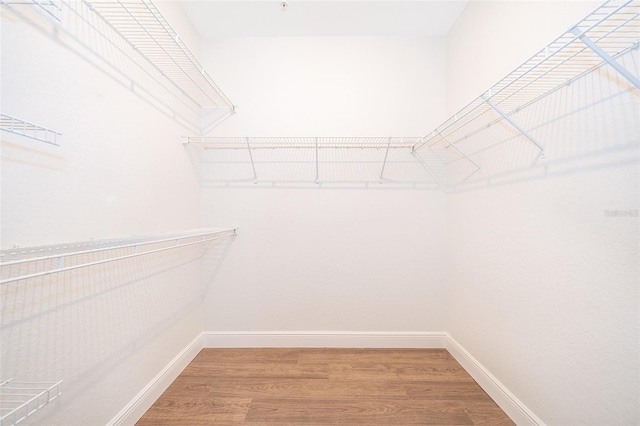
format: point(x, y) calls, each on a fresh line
point(589, 124)
point(82, 31)
point(87, 325)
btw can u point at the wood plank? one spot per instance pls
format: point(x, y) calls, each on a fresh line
point(250, 355)
point(372, 356)
point(186, 387)
point(362, 371)
point(257, 370)
point(448, 390)
point(305, 388)
point(434, 372)
point(487, 414)
point(349, 411)
point(195, 411)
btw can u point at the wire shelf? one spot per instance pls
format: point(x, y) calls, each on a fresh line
point(614, 28)
point(52, 7)
point(146, 29)
point(605, 38)
point(19, 400)
point(288, 160)
point(30, 130)
point(34, 262)
point(302, 142)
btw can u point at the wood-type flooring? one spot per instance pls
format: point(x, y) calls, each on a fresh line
point(284, 386)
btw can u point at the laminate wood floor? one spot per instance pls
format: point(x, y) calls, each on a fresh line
point(324, 386)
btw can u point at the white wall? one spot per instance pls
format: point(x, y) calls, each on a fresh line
point(328, 260)
point(120, 170)
point(492, 38)
point(329, 86)
point(335, 257)
point(543, 284)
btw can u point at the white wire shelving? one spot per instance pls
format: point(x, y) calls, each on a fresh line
point(35, 262)
point(604, 38)
point(609, 32)
point(205, 142)
point(53, 8)
point(308, 159)
point(146, 29)
point(63, 266)
point(24, 128)
point(19, 400)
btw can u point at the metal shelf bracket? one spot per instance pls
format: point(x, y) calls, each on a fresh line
point(384, 163)
point(317, 168)
point(513, 123)
point(593, 46)
point(253, 166)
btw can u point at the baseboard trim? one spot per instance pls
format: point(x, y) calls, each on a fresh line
point(139, 405)
point(323, 339)
point(506, 400)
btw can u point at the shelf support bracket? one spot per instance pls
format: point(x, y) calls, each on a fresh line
point(384, 163)
point(428, 169)
point(513, 123)
point(458, 150)
point(253, 166)
point(317, 169)
point(593, 46)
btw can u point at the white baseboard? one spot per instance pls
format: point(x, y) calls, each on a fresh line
point(323, 339)
point(511, 405)
point(139, 405)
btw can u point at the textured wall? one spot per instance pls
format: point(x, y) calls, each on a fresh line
point(543, 260)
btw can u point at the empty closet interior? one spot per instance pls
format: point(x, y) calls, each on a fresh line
point(179, 175)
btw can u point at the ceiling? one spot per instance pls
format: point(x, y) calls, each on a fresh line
point(265, 18)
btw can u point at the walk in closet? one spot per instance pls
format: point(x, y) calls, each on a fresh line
point(455, 177)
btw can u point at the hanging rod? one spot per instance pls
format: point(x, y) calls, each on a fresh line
point(613, 28)
point(19, 400)
point(31, 255)
point(142, 25)
point(24, 128)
